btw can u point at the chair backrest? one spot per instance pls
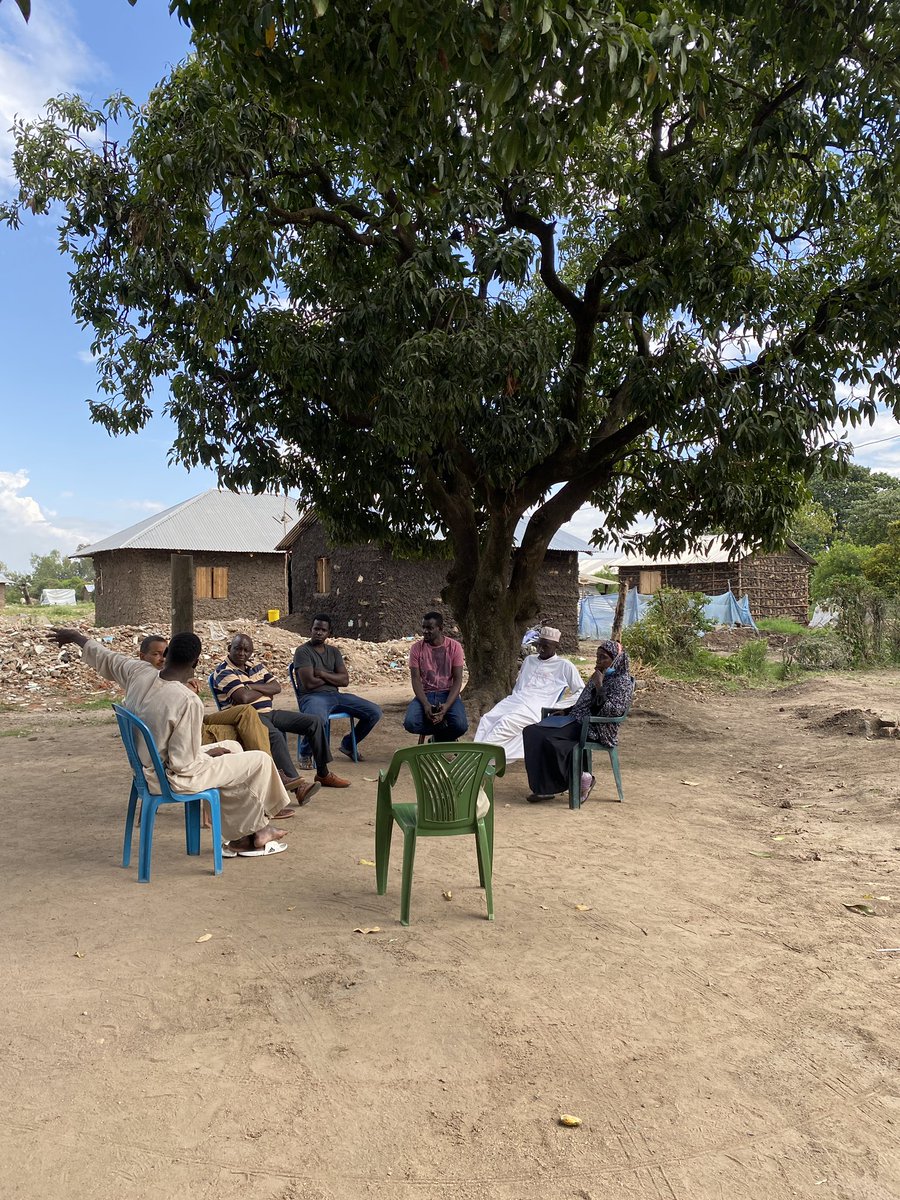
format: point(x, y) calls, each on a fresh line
point(447, 777)
point(292, 675)
point(129, 727)
point(212, 690)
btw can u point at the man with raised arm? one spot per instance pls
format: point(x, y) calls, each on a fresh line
point(249, 788)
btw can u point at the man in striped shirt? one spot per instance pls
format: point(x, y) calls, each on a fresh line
point(238, 680)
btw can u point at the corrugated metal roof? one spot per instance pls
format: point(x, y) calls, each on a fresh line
point(710, 550)
point(561, 540)
point(224, 522)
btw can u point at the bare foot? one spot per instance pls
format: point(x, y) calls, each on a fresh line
point(268, 834)
point(256, 841)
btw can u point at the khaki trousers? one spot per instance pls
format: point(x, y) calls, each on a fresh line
point(241, 723)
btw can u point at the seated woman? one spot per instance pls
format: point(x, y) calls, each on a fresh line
point(549, 745)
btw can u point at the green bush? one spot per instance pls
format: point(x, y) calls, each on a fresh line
point(667, 634)
point(782, 625)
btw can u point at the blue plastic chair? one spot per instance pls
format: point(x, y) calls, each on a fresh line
point(129, 727)
point(335, 716)
point(213, 692)
point(447, 777)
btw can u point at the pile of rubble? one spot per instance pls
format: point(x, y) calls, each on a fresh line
point(36, 676)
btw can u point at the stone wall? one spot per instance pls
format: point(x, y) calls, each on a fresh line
point(133, 586)
point(376, 597)
point(777, 584)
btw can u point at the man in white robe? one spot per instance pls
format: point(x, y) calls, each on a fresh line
point(250, 790)
point(542, 677)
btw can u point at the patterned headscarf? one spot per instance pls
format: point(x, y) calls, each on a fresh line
point(613, 698)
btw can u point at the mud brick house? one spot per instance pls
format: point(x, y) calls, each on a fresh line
point(369, 594)
point(238, 572)
point(777, 584)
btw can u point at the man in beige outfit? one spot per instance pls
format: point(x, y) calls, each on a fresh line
point(249, 787)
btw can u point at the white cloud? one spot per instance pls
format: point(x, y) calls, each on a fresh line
point(26, 528)
point(143, 505)
point(37, 61)
point(86, 357)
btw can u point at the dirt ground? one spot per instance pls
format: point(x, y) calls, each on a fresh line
point(722, 1023)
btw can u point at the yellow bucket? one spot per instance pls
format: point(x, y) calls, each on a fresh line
point(274, 615)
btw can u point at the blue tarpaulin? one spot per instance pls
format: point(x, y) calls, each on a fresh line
point(596, 613)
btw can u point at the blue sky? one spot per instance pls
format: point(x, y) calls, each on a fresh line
point(63, 481)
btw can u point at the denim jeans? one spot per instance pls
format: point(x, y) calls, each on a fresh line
point(364, 713)
point(453, 726)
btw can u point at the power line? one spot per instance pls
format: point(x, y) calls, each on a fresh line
point(861, 445)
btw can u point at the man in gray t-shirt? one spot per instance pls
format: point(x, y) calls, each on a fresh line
point(319, 672)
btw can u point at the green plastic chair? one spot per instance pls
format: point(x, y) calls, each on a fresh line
point(447, 777)
point(582, 758)
point(583, 755)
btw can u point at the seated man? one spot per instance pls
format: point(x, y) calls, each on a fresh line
point(436, 670)
point(240, 721)
point(320, 670)
point(249, 788)
point(551, 742)
point(237, 681)
point(542, 677)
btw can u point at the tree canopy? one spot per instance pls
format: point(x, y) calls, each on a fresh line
point(440, 266)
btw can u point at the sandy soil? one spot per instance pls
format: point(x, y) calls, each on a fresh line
point(721, 1022)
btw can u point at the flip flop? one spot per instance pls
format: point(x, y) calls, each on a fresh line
point(227, 852)
point(349, 754)
point(268, 848)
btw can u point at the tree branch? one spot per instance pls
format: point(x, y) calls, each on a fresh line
point(544, 231)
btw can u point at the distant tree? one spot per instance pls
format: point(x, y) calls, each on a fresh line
point(443, 267)
point(861, 502)
point(882, 567)
point(812, 528)
point(54, 570)
point(840, 567)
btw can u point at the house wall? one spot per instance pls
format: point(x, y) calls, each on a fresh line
point(133, 587)
point(710, 578)
point(777, 584)
point(377, 597)
point(2, 594)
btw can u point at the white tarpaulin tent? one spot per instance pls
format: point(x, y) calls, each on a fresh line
point(58, 596)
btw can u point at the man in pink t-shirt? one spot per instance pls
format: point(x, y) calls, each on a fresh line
point(436, 670)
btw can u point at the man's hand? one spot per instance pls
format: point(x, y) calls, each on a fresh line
point(194, 686)
point(437, 717)
point(217, 751)
point(67, 637)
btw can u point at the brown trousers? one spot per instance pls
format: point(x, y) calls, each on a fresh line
point(239, 723)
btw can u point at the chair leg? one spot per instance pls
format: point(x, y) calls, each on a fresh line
point(409, 858)
point(489, 830)
point(575, 778)
point(354, 752)
point(145, 846)
point(485, 866)
point(192, 826)
point(614, 763)
point(129, 826)
point(216, 821)
point(384, 823)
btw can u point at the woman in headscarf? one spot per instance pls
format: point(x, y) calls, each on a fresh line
point(549, 745)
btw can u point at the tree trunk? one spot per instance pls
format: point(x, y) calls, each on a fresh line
point(620, 611)
point(492, 616)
